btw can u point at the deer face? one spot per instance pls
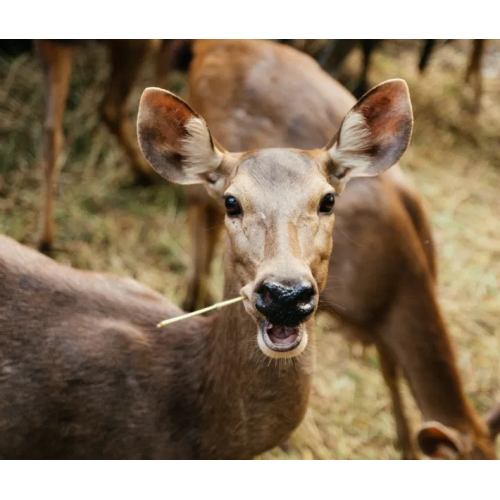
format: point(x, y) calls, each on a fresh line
point(278, 202)
point(279, 221)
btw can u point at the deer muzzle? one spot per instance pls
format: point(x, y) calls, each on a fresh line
point(285, 309)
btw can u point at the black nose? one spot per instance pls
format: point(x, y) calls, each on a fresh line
point(285, 305)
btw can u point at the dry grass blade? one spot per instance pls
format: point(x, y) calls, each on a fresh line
point(217, 306)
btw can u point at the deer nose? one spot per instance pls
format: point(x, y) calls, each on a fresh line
point(285, 305)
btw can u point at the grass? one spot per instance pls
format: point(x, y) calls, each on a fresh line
point(106, 224)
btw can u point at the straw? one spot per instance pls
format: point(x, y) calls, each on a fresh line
point(219, 305)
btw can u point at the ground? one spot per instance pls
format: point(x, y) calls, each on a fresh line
point(106, 224)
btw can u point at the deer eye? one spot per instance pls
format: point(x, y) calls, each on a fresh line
point(232, 206)
point(327, 203)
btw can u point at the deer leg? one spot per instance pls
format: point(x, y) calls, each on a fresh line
point(205, 225)
point(474, 68)
point(56, 59)
point(390, 374)
point(215, 222)
point(333, 55)
point(199, 244)
point(163, 64)
point(426, 55)
point(368, 46)
point(415, 334)
point(126, 60)
point(215, 226)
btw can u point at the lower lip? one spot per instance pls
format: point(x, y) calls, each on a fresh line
point(297, 336)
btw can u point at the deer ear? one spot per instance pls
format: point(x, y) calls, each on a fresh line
point(176, 141)
point(439, 441)
point(374, 134)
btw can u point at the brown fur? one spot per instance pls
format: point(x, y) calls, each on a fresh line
point(85, 373)
point(381, 281)
point(126, 58)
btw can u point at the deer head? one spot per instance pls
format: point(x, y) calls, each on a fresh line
point(279, 202)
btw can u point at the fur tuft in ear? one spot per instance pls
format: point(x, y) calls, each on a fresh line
point(175, 139)
point(356, 141)
point(374, 134)
point(197, 148)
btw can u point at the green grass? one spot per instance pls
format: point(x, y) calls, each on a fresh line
point(106, 224)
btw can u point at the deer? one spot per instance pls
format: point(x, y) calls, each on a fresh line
point(335, 52)
point(85, 373)
point(56, 57)
point(382, 277)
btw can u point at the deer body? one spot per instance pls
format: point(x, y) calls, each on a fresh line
point(381, 280)
point(85, 373)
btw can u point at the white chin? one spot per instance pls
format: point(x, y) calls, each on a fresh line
point(279, 354)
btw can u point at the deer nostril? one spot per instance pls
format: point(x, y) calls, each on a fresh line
point(305, 296)
point(265, 294)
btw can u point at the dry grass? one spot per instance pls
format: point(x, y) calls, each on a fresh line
point(105, 224)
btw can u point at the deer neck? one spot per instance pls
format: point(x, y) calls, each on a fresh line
point(250, 403)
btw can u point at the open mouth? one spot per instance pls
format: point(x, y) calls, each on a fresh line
point(280, 338)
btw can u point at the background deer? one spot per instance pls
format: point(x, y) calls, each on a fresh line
point(126, 59)
point(473, 73)
point(86, 374)
point(334, 53)
point(381, 281)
